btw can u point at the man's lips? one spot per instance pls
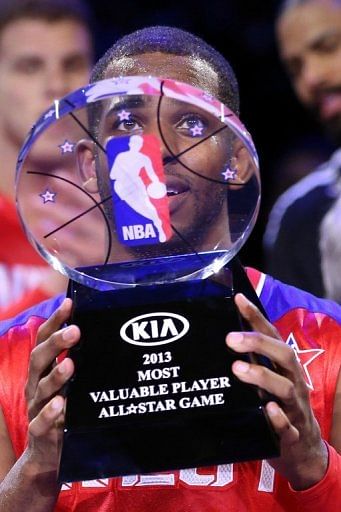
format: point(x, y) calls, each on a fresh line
point(176, 185)
point(329, 105)
point(177, 190)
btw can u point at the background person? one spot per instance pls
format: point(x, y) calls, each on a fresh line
point(330, 249)
point(45, 52)
point(309, 39)
point(305, 477)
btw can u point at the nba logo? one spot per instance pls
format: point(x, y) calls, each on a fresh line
point(139, 193)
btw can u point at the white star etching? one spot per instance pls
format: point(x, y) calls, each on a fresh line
point(50, 113)
point(196, 130)
point(48, 196)
point(207, 97)
point(121, 80)
point(124, 115)
point(304, 357)
point(67, 147)
point(131, 409)
point(229, 174)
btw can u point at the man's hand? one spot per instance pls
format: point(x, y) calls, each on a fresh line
point(304, 458)
point(45, 381)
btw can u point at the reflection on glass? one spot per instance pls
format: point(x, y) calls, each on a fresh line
point(136, 176)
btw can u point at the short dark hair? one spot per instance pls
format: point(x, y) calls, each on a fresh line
point(285, 5)
point(174, 41)
point(48, 10)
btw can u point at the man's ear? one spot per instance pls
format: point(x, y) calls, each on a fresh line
point(241, 162)
point(85, 155)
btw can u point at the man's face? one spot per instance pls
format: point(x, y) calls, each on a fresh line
point(39, 61)
point(309, 37)
point(197, 205)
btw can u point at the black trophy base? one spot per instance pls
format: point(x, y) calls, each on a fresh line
point(176, 444)
point(153, 388)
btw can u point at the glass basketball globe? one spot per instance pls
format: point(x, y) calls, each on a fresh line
point(138, 180)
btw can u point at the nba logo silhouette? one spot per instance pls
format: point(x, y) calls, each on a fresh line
point(139, 193)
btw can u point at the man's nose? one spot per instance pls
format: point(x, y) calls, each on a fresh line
point(168, 159)
point(167, 138)
point(56, 83)
point(315, 74)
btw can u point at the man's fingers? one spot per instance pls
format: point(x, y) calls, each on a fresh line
point(56, 320)
point(51, 384)
point(254, 342)
point(260, 376)
point(45, 354)
point(254, 317)
point(46, 420)
point(288, 434)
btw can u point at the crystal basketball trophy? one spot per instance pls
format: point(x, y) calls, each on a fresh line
point(142, 190)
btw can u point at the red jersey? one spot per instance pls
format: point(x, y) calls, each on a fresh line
point(22, 270)
point(312, 327)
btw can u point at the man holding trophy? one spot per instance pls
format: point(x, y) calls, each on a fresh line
point(280, 379)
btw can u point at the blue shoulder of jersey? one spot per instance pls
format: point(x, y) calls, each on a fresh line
point(42, 310)
point(279, 298)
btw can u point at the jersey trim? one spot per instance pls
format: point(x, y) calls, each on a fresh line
point(43, 310)
point(327, 492)
point(279, 298)
point(276, 297)
point(326, 174)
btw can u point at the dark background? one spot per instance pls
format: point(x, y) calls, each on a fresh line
point(288, 140)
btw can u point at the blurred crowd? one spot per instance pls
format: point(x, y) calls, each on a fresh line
point(45, 56)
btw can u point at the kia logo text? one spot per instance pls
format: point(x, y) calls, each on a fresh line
point(154, 329)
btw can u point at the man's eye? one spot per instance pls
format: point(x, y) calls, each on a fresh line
point(28, 66)
point(127, 125)
point(330, 44)
point(192, 125)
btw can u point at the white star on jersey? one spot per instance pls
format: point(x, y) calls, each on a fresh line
point(304, 357)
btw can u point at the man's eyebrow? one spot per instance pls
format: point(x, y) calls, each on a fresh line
point(314, 44)
point(126, 104)
point(320, 38)
point(29, 57)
